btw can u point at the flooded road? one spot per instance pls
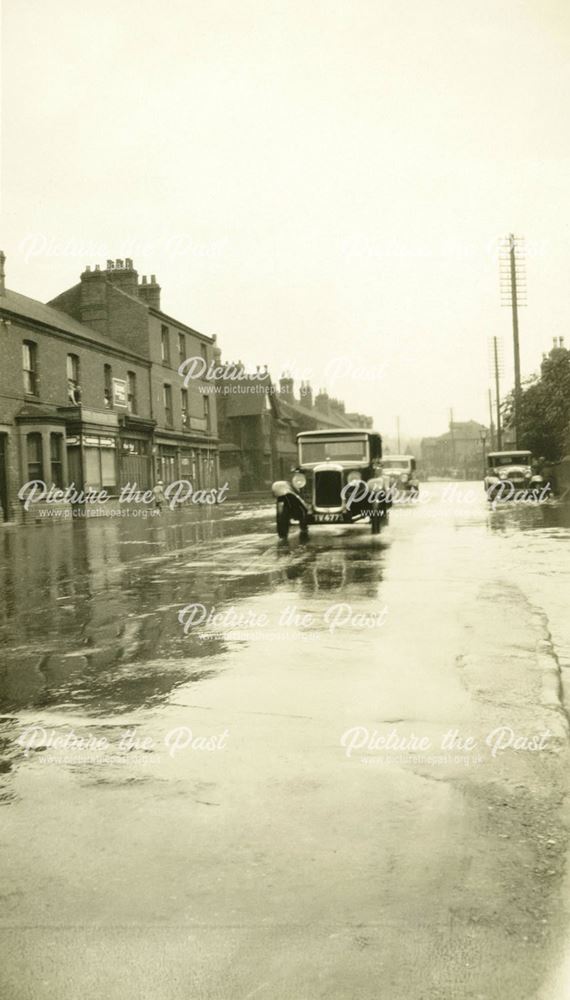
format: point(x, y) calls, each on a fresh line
point(234, 767)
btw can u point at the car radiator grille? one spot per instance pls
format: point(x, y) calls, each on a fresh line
point(328, 485)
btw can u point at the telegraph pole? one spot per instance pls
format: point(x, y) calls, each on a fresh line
point(491, 425)
point(495, 371)
point(513, 294)
point(517, 357)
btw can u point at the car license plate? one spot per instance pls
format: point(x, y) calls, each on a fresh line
point(328, 518)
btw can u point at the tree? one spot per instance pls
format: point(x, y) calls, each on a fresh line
point(545, 408)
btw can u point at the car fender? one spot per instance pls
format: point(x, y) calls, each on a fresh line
point(284, 493)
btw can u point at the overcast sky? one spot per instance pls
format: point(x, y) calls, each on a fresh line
point(308, 180)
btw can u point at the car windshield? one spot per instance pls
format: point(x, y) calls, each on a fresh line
point(401, 464)
point(509, 459)
point(343, 451)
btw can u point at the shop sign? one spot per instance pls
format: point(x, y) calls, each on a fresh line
point(119, 392)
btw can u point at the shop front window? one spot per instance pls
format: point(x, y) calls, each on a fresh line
point(100, 463)
point(168, 465)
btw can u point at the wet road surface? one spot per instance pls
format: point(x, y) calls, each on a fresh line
point(251, 812)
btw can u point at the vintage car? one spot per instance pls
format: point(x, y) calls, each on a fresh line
point(401, 471)
point(338, 480)
point(509, 473)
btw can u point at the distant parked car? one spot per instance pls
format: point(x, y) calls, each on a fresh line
point(338, 480)
point(401, 471)
point(509, 473)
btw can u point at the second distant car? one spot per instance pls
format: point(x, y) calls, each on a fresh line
point(401, 471)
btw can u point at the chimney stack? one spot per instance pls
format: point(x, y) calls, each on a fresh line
point(122, 275)
point(2, 275)
point(149, 291)
point(92, 302)
point(306, 394)
point(322, 401)
point(286, 386)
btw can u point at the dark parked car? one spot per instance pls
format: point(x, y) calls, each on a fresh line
point(338, 480)
point(511, 473)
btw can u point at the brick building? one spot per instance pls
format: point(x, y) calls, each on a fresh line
point(90, 393)
point(258, 426)
point(116, 304)
point(256, 439)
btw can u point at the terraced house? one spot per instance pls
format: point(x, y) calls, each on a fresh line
point(90, 391)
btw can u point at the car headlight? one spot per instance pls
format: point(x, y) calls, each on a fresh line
point(299, 480)
point(353, 476)
point(404, 477)
point(502, 475)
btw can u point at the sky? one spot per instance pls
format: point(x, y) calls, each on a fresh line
point(320, 184)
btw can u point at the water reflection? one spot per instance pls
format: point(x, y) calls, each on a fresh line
point(89, 610)
point(515, 517)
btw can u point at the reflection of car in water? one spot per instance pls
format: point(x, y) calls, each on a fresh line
point(338, 480)
point(509, 473)
point(348, 566)
point(401, 470)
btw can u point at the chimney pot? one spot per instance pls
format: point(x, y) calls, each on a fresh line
point(153, 279)
point(119, 264)
point(144, 279)
point(128, 263)
point(88, 267)
point(97, 268)
point(110, 265)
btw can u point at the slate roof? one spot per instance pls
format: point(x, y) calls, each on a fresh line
point(294, 410)
point(22, 305)
point(251, 403)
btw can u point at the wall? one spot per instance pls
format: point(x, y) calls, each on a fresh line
point(52, 353)
point(559, 474)
point(168, 373)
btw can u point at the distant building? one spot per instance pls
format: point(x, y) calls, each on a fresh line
point(458, 453)
point(258, 425)
point(321, 413)
point(257, 441)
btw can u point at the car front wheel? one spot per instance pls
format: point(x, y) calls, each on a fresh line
point(283, 520)
point(378, 516)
